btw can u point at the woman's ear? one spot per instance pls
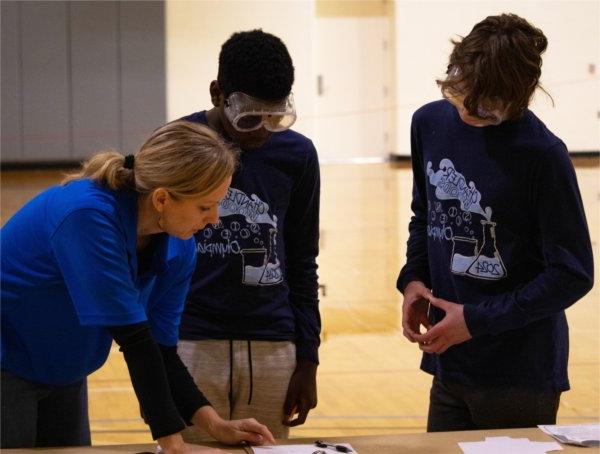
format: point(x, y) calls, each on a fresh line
point(159, 197)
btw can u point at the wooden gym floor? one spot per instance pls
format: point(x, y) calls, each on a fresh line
point(369, 379)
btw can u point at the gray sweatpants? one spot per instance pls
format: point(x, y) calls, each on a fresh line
point(241, 379)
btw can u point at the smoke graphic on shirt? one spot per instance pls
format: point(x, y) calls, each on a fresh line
point(252, 208)
point(254, 237)
point(469, 257)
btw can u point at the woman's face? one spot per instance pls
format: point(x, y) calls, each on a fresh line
point(183, 217)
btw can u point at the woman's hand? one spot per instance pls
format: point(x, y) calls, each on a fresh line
point(174, 444)
point(232, 432)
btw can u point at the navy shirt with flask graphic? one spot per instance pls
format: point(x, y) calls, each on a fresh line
point(498, 226)
point(256, 276)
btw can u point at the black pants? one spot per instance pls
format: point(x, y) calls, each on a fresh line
point(453, 406)
point(36, 415)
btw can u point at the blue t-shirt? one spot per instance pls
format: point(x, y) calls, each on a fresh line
point(69, 270)
point(256, 276)
point(498, 226)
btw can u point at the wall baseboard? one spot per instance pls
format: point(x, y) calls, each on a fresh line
point(574, 155)
point(39, 165)
point(580, 156)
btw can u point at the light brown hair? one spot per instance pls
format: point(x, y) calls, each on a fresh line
point(499, 61)
point(187, 159)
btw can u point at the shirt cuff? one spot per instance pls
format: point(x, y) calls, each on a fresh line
point(405, 279)
point(475, 320)
point(307, 351)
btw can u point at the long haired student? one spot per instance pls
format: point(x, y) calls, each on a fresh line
point(516, 251)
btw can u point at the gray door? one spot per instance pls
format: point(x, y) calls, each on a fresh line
point(80, 76)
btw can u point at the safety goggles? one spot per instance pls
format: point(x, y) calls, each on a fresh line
point(494, 116)
point(249, 114)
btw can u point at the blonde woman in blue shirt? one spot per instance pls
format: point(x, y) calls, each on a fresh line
point(108, 255)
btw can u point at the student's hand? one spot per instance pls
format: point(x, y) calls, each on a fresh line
point(174, 444)
point(232, 432)
point(451, 330)
point(414, 309)
point(301, 394)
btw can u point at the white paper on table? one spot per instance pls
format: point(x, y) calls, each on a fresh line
point(576, 434)
point(502, 445)
point(297, 449)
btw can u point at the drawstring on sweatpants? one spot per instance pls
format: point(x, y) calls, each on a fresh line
point(230, 377)
point(250, 367)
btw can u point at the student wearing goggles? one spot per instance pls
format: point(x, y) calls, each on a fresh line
point(253, 306)
point(247, 113)
point(486, 112)
point(491, 176)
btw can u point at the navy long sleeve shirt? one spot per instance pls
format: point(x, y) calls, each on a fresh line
point(256, 276)
point(498, 226)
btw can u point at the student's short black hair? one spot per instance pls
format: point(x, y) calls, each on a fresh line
point(256, 63)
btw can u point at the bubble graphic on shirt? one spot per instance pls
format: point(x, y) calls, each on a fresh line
point(443, 218)
point(433, 215)
point(225, 234)
point(466, 216)
point(458, 220)
point(256, 240)
point(254, 228)
point(234, 226)
point(438, 207)
point(244, 233)
point(452, 212)
point(218, 225)
point(467, 230)
point(452, 185)
point(207, 233)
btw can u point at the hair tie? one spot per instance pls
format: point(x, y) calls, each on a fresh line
point(128, 164)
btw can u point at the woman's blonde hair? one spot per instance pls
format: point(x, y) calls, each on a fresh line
point(187, 159)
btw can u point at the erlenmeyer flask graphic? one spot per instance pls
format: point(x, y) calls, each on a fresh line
point(488, 264)
point(254, 262)
point(464, 253)
point(261, 267)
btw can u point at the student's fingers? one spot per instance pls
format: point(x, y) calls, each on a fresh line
point(302, 414)
point(437, 346)
point(412, 319)
point(419, 289)
point(423, 320)
point(413, 332)
point(428, 337)
point(289, 418)
point(408, 334)
point(289, 405)
point(441, 303)
point(424, 292)
point(408, 329)
point(427, 325)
